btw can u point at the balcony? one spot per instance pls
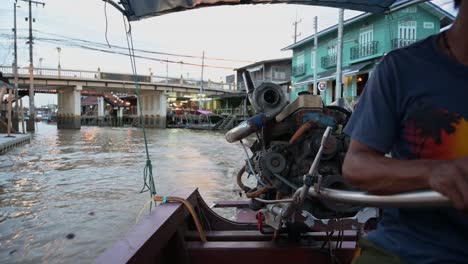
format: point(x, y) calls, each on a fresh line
point(364, 50)
point(328, 61)
point(299, 69)
point(400, 43)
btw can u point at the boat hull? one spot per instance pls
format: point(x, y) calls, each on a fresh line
point(168, 235)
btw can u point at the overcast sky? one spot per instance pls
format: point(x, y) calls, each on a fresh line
point(248, 33)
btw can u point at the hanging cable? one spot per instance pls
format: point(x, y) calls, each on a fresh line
point(105, 15)
point(140, 50)
point(148, 179)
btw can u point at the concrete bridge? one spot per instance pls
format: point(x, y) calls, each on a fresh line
point(69, 85)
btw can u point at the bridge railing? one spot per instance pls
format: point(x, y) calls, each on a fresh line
point(80, 74)
point(239, 111)
point(50, 72)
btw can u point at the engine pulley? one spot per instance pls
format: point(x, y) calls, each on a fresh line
point(274, 162)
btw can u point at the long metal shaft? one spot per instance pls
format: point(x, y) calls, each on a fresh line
point(406, 200)
point(301, 193)
point(318, 156)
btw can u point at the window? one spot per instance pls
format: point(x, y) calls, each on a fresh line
point(279, 73)
point(411, 9)
point(299, 68)
point(300, 58)
point(366, 41)
point(332, 47)
point(406, 33)
point(428, 25)
point(366, 34)
point(330, 60)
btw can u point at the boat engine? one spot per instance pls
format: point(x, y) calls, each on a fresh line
point(287, 139)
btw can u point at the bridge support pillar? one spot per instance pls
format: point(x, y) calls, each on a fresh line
point(120, 116)
point(69, 108)
point(101, 110)
point(154, 104)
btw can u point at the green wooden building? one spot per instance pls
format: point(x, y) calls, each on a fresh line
point(366, 39)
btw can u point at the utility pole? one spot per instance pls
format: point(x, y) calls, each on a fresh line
point(315, 54)
point(339, 59)
point(295, 29)
point(15, 72)
point(200, 102)
point(59, 49)
point(32, 112)
point(167, 70)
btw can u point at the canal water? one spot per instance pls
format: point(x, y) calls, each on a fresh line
point(71, 194)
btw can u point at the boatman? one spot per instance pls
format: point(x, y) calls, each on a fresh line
point(415, 107)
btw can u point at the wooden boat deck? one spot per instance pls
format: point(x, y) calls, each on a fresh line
point(168, 235)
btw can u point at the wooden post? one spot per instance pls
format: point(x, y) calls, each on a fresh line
point(22, 115)
point(2, 93)
point(10, 95)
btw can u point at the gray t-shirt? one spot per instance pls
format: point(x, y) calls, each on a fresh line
point(415, 106)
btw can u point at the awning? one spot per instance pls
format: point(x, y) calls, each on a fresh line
point(138, 9)
point(320, 77)
point(331, 73)
point(254, 69)
point(355, 68)
point(90, 100)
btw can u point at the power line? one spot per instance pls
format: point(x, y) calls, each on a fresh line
point(59, 41)
point(8, 54)
point(143, 51)
point(72, 44)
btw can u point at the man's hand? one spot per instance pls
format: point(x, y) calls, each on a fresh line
point(372, 171)
point(450, 178)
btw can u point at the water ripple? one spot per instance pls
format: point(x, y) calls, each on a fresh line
point(70, 194)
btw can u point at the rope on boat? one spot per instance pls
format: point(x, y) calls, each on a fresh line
point(148, 179)
point(141, 211)
point(166, 199)
point(189, 207)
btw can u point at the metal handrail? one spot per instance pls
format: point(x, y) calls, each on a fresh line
point(400, 42)
point(328, 61)
point(364, 50)
point(299, 69)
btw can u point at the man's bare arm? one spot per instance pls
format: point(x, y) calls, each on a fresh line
point(370, 170)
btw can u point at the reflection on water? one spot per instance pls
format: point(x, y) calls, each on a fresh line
point(86, 183)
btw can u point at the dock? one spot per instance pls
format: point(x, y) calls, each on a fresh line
point(7, 143)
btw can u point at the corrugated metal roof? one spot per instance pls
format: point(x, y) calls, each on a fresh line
point(263, 62)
